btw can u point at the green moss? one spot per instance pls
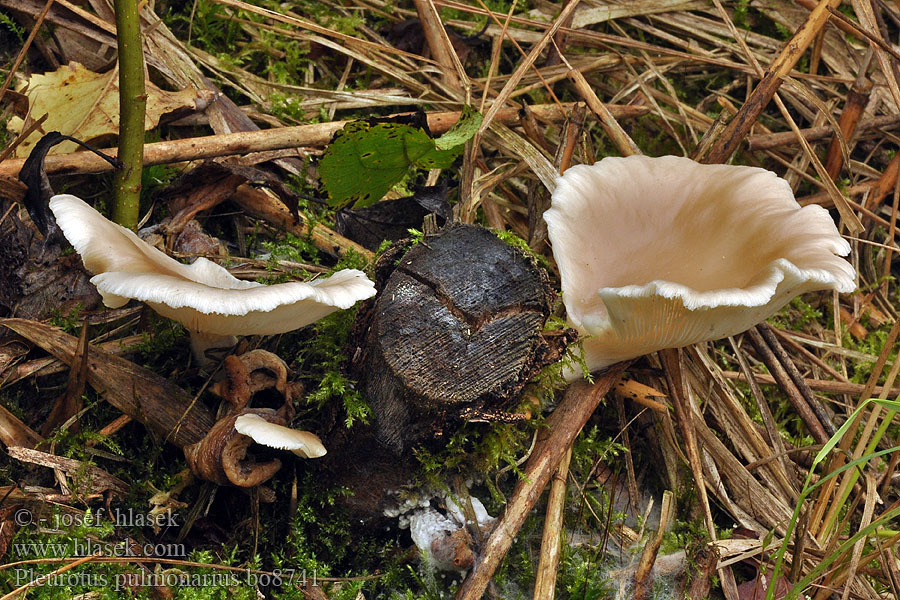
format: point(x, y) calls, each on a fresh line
point(10, 24)
point(290, 248)
point(67, 320)
point(796, 315)
point(321, 357)
point(511, 239)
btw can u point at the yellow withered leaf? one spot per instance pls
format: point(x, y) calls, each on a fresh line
point(85, 105)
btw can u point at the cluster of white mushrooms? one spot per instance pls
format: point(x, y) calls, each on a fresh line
point(214, 306)
point(653, 253)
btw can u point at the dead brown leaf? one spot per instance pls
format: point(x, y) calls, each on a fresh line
point(85, 105)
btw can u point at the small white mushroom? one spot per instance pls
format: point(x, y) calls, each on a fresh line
point(664, 252)
point(301, 443)
point(212, 304)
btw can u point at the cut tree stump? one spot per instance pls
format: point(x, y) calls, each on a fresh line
point(454, 333)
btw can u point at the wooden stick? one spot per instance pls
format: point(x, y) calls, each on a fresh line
point(441, 49)
point(794, 373)
point(153, 400)
point(132, 109)
point(885, 185)
point(642, 581)
point(763, 93)
point(787, 386)
point(261, 203)
point(857, 100)
point(623, 142)
point(817, 134)
point(545, 583)
point(13, 432)
point(825, 386)
point(96, 478)
point(671, 361)
point(562, 428)
point(244, 142)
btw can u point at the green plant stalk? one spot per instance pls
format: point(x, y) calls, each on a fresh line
point(808, 489)
point(870, 449)
point(132, 106)
point(844, 548)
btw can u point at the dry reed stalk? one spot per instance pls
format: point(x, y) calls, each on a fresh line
point(525, 65)
point(851, 476)
point(812, 358)
point(622, 140)
point(820, 385)
point(768, 420)
point(787, 385)
point(868, 510)
point(814, 134)
point(642, 582)
point(733, 422)
point(441, 49)
point(740, 125)
point(551, 540)
point(865, 12)
point(824, 498)
point(684, 413)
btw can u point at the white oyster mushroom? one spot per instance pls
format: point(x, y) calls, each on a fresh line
point(665, 252)
point(302, 443)
point(212, 304)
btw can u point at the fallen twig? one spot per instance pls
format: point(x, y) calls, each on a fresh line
point(817, 134)
point(562, 428)
point(545, 582)
point(97, 478)
point(244, 142)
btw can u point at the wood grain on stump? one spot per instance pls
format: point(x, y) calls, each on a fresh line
point(456, 326)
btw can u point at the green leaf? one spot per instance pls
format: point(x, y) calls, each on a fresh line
point(462, 131)
point(366, 160)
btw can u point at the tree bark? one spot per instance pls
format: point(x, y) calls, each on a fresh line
point(456, 331)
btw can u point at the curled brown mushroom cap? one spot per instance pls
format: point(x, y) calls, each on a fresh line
point(665, 252)
point(212, 304)
point(221, 456)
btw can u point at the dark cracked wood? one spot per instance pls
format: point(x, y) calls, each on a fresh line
point(456, 327)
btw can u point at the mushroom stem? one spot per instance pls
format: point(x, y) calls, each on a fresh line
point(202, 343)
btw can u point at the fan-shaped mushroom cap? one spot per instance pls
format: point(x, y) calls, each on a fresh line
point(204, 297)
point(301, 443)
point(665, 252)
